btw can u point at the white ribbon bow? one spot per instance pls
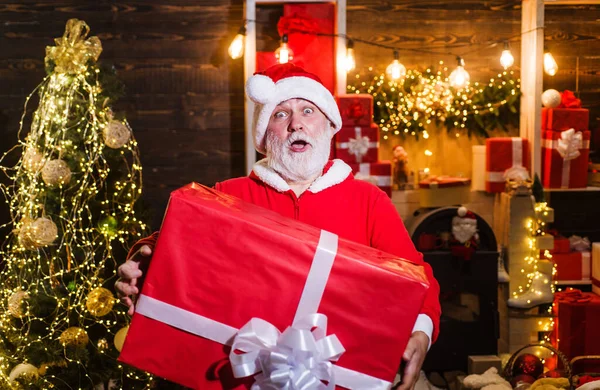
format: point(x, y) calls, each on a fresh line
point(297, 359)
point(358, 147)
point(517, 173)
point(569, 144)
point(579, 244)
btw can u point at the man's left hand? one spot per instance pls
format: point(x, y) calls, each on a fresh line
point(414, 355)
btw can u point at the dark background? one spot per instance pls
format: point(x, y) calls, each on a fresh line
point(184, 95)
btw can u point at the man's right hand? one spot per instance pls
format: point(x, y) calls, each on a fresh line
point(128, 286)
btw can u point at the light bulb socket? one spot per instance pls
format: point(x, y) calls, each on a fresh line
point(460, 61)
point(284, 38)
point(242, 30)
point(506, 45)
point(396, 55)
point(349, 44)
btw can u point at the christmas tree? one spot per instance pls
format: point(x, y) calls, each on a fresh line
point(71, 196)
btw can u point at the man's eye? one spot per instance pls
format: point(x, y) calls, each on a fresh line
point(280, 114)
point(308, 110)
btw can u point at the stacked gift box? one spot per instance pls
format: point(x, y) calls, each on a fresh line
point(506, 158)
point(357, 143)
point(572, 258)
point(565, 144)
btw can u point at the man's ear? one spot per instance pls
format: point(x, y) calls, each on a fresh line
point(331, 128)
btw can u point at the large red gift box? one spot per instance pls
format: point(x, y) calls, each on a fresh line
point(561, 245)
point(577, 323)
point(561, 119)
point(504, 154)
point(220, 262)
point(358, 144)
point(565, 159)
point(356, 109)
point(572, 266)
point(379, 173)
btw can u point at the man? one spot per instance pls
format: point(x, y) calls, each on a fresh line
point(294, 122)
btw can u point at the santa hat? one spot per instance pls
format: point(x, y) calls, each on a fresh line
point(463, 214)
point(282, 82)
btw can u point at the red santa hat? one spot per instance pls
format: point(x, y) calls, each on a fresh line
point(463, 214)
point(282, 82)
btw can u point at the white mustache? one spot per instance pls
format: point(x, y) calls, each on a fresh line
point(297, 136)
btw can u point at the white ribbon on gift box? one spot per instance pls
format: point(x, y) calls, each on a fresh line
point(359, 146)
point(516, 168)
point(568, 147)
point(364, 173)
point(586, 265)
point(298, 358)
point(579, 244)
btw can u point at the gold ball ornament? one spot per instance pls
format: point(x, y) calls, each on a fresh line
point(15, 304)
point(75, 337)
point(102, 345)
point(120, 338)
point(100, 302)
point(116, 134)
point(56, 172)
point(32, 159)
point(37, 233)
point(23, 369)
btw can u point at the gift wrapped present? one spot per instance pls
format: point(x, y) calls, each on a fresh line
point(441, 191)
point(596, 267)
point(506, 158)
point(572, 266)
point(234, 289)
point(568, 115)
point(565, 159)
point(358, 144)
point(577, 322)
point(378, 173)
point(356, 109)
point(561, 244)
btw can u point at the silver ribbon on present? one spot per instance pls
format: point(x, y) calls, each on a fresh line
point(569, 144)
point(358, 147)
point(580, 244)
point(517, 173)
point(300, 358)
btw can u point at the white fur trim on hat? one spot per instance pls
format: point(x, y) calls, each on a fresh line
point(267, 95)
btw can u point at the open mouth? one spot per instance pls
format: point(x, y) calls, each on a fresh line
point(299, 145)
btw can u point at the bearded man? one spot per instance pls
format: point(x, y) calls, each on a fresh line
point(294, 122)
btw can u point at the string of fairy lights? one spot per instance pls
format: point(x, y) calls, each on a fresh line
point(61, 247)
point(459, 78)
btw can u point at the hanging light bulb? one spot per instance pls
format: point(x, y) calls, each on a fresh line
point(236, 49)
point(283, 53)
point(396, 70)
point(506, 59)
point(550, 65)
point(350, 59)
point(459, 78)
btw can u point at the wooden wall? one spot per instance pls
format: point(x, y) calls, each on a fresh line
point(185, 96)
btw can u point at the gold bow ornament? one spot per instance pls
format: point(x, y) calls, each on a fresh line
point(73, 50)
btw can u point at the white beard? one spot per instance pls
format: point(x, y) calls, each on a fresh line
point(463, 232)
point(294, 166)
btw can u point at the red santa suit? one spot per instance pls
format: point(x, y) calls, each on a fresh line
point(336, 202)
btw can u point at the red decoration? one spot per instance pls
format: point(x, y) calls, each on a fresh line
point(356, 109)
point(231, 261)
point(572, 266)
point(528, 364)
point(378, 173)
point(521, 379)
point(568, 100)
point(358, 144)
point(503, 153)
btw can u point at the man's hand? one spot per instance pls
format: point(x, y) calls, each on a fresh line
point(129, 275)
point(414, 355)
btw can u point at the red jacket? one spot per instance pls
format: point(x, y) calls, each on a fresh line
point(352, 209)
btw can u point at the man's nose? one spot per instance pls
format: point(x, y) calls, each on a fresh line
point(295, 124)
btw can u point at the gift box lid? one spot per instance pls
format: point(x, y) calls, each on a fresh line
point(444, 182)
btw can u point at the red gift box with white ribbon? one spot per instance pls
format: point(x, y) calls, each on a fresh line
point(506, 158)
point(565, 159)
point(234, 289)
point(379, 174)
point(356, 109)
point(358, 144)
point(572, 266)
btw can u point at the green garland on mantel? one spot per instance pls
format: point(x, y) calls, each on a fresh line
point(409, 106)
